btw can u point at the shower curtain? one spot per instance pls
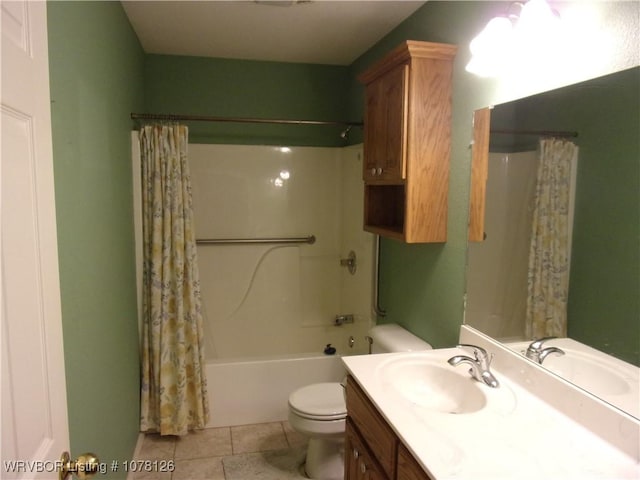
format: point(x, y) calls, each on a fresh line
point(173, 390)
point(548, 274)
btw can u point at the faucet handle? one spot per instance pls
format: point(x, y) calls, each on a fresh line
point(537, 344)
point(478, 352)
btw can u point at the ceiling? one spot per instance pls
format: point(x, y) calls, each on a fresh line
point(332, 32)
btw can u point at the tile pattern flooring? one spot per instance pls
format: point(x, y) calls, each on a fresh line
point(268, 451)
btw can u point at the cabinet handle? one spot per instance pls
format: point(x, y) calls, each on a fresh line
point(363, 467)
point(356, 453)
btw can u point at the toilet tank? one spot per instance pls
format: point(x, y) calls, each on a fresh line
point(393, 338)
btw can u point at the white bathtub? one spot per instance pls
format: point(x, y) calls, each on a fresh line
point(256, 390)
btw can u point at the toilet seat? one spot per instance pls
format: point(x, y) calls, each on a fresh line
point(319, 401)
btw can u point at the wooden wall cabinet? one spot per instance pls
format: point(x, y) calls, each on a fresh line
point(479, 173)
point(407, 142)
point(372, 449)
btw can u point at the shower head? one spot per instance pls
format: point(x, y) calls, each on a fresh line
point(345, 133)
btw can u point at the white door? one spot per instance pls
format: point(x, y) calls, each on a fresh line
point(34, 408)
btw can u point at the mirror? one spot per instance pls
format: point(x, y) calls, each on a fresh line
point(603, 308)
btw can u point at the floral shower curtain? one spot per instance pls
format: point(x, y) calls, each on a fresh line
point(173, 390)
point(548, 274)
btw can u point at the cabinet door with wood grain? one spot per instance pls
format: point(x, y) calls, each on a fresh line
point(408, 467)
point(385, 132)
point(359, 462)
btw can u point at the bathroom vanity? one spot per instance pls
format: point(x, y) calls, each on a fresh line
point(412, 416)
point(373, 451)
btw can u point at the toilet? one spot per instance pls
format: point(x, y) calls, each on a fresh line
point(319, 411)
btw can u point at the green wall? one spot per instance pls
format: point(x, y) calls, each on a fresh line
point(249, 89)
point(96, 76)
point(604, 294)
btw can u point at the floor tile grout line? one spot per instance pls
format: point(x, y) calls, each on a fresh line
point(233, 449)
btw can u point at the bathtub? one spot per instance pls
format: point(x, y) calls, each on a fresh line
point(256, 390)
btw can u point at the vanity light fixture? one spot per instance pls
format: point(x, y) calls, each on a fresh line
point(524, 30)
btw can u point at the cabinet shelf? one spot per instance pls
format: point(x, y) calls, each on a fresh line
point(384, 210)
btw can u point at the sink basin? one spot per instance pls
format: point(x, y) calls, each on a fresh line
point(588, 372)
point(589, 369)
point(432, 386)
point(607, 377)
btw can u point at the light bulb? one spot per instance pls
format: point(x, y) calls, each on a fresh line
point(494, 35)
point(490, 49)
point(536, 14)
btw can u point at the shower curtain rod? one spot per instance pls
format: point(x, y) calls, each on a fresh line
point(542, 133)
point(203, 118)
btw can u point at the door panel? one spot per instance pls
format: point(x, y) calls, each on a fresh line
point(34, 411)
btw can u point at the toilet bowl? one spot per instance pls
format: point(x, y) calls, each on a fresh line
point(319, 410)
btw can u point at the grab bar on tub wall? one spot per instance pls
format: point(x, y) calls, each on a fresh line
point(311, 239)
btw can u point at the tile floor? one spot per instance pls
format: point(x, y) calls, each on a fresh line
point(267, 451)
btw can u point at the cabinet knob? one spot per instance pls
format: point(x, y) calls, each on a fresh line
point(356, 453)
point(379, 171)
point(373, 171)
point(363, 467)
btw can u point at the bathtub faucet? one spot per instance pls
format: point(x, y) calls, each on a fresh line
point(342, 319)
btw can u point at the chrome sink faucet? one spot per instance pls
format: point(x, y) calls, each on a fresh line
point(536, 353)
point(479, 364)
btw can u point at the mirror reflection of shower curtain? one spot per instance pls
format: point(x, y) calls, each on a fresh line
point(497, 270)
point(549, 253)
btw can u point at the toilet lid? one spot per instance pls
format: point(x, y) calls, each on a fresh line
point(320, 400)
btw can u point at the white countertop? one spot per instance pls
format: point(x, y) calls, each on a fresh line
point(516, 436)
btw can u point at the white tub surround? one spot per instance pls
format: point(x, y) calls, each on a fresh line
point(280, 299)
point(533, 426)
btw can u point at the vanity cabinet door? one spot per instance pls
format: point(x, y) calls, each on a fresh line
point(408, 467)
point(372, 449)
point(371, 426)
point(359, 462)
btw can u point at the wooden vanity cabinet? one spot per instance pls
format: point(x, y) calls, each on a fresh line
point(359, 462)
point(408, 467)
point(407, 142)
point(372, 449)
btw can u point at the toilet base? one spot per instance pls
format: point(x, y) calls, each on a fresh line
point(325, 459)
